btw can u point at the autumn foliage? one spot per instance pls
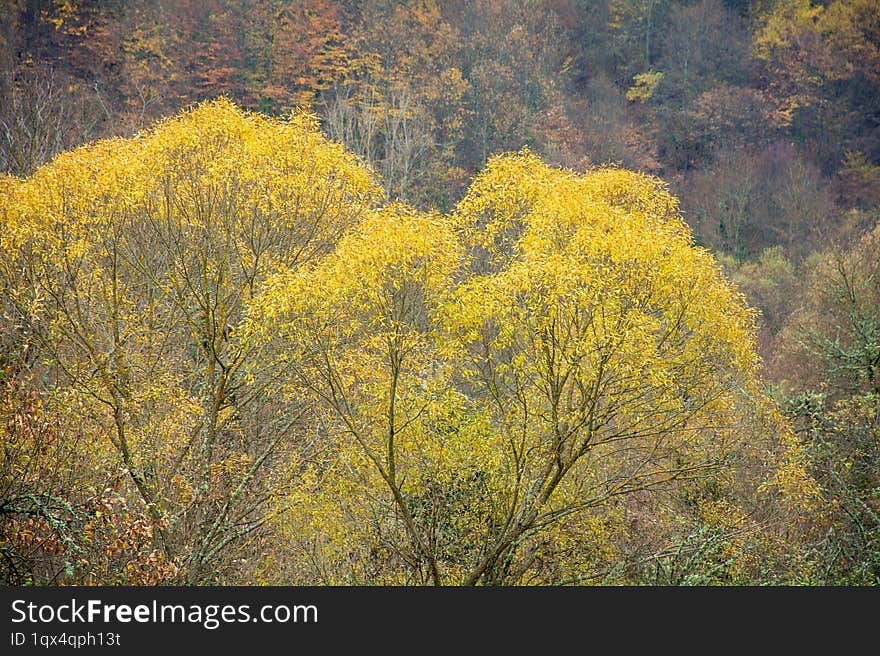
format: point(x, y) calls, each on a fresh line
point(277, 364)
point(485, 291)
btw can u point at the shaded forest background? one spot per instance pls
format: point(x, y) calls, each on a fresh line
point(762, 115)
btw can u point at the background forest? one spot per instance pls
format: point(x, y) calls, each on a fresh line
point(210, 372)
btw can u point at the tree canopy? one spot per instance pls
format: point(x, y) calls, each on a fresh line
point(495, 291)
point(496, 384)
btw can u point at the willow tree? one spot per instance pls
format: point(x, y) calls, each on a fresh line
point(497, 380)
point(133, 260)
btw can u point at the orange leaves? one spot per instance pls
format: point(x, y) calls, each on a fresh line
point(308, 52)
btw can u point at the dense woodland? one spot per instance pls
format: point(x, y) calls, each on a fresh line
point(496, 292)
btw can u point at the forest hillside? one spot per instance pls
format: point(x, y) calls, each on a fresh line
point(497, 292)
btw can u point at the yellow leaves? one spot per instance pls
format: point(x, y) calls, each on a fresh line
point(788, 476)
point(392, 251)
point(508, 185)
point(7, 183)
point(214, 158)
point(609, 250)
point(556, 337)
point(214, 178)
point(645, 86)
point(231, 467)
point(552, 318)
point(183, 490)
point(141, 256)
point(77, 249)
point(386, 276)
point(784, 24)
